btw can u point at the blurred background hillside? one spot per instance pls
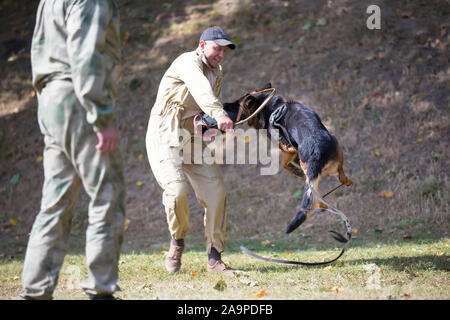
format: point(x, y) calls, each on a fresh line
point(383, 93)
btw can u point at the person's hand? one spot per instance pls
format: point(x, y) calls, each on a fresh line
point(224, 123)
point(108, 140)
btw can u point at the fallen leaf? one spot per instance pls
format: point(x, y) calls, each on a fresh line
point(163, 251)
point(193, 273)
point(405, 295)
point(439, 254)
point(379, 229)
point(139, 184)
point(376, 153)
point(308, 26)
point(377, 95)
point(12, 58)
point(126, 224)
point(407, 236)
point(140, 157)
point(328, 268)
point(386, 194)
point(298, 194)
point(321, 22)
point(15, 179)
point(126, 37)
point(13, 221)
point(436, 155)
point(265, 242)
point(336, 288)
point(337, 262)
point(39, 159)
point(220, 285)
point(259, 294)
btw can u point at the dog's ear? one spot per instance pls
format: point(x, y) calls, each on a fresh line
point(250, 99)
point(249, 102)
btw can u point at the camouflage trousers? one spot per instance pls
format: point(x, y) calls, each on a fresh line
point(71, 161)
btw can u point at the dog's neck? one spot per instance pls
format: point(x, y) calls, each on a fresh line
point(271, 106)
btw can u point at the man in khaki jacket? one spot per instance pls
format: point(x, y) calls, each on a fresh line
point(192, 84)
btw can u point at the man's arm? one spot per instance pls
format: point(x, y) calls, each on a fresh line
point(200, 88)
point(87, 24)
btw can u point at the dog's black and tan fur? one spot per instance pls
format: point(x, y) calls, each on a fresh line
point(314, 152)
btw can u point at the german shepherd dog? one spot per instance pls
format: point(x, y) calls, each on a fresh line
point(307, 148)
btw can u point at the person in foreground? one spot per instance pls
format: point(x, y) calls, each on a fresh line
point(75, 59)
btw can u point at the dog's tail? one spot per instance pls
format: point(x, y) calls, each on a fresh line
point(301, 216)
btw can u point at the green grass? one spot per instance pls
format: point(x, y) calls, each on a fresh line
point(402, 269)
point(387, 112)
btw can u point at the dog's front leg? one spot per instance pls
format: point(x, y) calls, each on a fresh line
point(296, 169)
point(288, 157)
point(343, 178)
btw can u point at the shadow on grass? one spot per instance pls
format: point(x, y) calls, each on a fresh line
point(299, 250)
point(408, 264)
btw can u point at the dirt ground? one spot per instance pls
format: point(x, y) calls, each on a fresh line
point(383, 93)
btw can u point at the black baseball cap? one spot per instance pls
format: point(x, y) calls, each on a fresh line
point(217, 35)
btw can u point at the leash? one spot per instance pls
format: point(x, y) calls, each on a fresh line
point(266, 101)
point(199, 121)
point(337, 236)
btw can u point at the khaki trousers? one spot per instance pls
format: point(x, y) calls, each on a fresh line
point(173, 176)
point(71, 161)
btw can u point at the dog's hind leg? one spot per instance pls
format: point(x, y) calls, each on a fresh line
point(308, 202)
point(301, 216)
point(342, 177)
point(316, 204)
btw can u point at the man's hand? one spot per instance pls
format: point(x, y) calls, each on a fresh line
point(224, 123)
point(108, 140)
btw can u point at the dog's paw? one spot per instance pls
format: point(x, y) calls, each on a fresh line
point(299, 218)
point(298, 173)
point(348, 182)
point(322, 206)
